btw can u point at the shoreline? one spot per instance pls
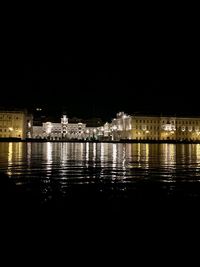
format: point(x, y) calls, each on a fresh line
point(4, 140)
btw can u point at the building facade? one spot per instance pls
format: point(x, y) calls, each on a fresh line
point(126, 127)
point(65, 131)
point(19, 124)
point(15, 124)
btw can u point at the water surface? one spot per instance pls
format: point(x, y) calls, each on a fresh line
point(54, 172)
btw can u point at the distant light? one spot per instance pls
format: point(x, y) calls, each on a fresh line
point(38, 109)
point(10, 129)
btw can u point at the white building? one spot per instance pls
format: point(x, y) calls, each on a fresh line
point(64, 131)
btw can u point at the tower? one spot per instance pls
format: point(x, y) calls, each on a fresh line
point(64, 124)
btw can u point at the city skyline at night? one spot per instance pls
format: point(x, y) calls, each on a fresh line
point(99, 131)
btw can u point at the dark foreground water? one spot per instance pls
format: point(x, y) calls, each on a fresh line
point(116, 174)
point(125, 190)
point(100, 178)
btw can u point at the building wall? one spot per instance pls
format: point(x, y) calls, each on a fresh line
point(145, 128)
point(188, 129)
point(125, 127)
point(61, 131)
point(15, 124)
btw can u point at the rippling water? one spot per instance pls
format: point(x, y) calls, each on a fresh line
point(129, 170)
point(108, 191)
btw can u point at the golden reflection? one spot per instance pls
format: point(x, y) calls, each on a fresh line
point(147, 152)
point(198, 153)
point(145, 155)
point(139, 154)
point(14, 155)
point(10, 158)
point(20, 149)
point(189, 153)
point(169, 154)
point(10, 153)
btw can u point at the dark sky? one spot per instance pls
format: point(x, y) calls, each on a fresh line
point(148, 71)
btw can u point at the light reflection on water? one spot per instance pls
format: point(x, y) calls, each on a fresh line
point(99, 163)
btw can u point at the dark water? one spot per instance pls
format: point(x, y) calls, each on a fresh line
point(56, 171)
point(124, 189)
point(101, 177)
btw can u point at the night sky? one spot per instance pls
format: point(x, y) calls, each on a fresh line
point(149, 74)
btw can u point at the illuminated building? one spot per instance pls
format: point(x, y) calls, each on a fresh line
point(126, 127)
point(15, 124)
point(64, 131)
point(121, 127)
point(18, 124)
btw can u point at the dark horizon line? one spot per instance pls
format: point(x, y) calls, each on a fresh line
point(105, 117)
